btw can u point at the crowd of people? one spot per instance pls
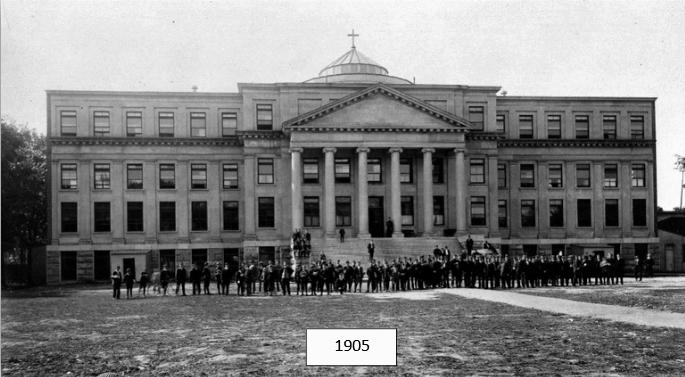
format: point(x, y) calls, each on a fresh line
point(441, 270)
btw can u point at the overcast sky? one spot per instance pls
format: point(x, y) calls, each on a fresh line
point(574, 48)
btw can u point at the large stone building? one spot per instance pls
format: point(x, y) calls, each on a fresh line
point(142, 179)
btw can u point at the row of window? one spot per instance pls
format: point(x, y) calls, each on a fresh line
point(556, 212)
point(582, 126)
point(228, 122)
point(167, 216)
point(555, 175)
point(374, 170)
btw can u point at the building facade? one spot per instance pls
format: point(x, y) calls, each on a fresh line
point(145, 179)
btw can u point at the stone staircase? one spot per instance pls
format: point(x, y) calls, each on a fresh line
point(354, 249)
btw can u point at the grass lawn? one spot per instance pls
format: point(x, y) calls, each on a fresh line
point(84, 331)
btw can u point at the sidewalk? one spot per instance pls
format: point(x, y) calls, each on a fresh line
point(637, 316)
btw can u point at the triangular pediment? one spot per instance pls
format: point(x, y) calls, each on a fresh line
point(378, 108)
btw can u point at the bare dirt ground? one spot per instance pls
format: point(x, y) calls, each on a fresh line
point(662, 293)
point(83, 331)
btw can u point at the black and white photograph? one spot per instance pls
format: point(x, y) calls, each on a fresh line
point(342, 188)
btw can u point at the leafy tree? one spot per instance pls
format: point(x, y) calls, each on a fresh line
point(24, 192)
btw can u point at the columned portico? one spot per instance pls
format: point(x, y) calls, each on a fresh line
point(461, 192)
point(427, 191)
point(395, 191)
point(296, 187)
point(329, 191)
point(363, 193)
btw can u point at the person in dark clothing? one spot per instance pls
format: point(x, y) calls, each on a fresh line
point(226, 280)
point(181, 276)
point(116, 283)
point(371, 247)
point(341, 232)
point(144, 279)
point(195, 279)
point(129, 279)
point(620, 267)
point(389, 228)
point(638, 268)
point(206, 278)
point(164, 278)
point(285, 278)
point(217, 276)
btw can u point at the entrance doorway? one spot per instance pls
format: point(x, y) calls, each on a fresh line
point(376, 216)
point(68, 265)
point(130, 263)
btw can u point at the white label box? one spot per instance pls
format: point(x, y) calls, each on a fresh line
point(356, 347)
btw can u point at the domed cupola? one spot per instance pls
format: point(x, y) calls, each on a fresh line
point(355, 67)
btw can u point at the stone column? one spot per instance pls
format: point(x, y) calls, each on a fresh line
point(296, 187)
point(363, 193)
point(395, 191)
point(329, 191)
point(427, 191)
point(461, 192)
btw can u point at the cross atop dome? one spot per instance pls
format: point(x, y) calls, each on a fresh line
point(352, 36)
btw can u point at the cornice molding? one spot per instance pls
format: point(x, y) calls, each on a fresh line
point(322, 129)
point(486, 136)
point(574, 143)
point(164, 141)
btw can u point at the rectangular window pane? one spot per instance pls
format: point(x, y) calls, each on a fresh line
point(583, 175)
point(584, 212)
point(611, 212)
point(637, 175)
point(342, 170)
point(610, 175)
point(438, 171)
point(438, 210)
point(406, 175)
point(525, 126)
point(198, 124)
point(477, 170)
point(554, 126)
point(373, 170)
point(502, 218)
point(266, 212)
point(69, 177)
point(167, 216)
point(343, 211)
point(609, 126)
point(639, 212)
point(101, 123)
point(198, 176)
point(556, 176)
point(477, 210)
point(311, 170)
point(311, 211)
point(501, 123)
point(407, 210)
point(134, 216)
point(101, 217)
point(229, 123)
point(101, 176)
point(527, 213)
point(134, 123)
point(166, 124)
point(198, 216)
point(231, 215)
point(167, 176)
point(501, 175)
point(582, 127)
point(134, 176)
point(265, 171)
point(476, 117)
point(68, 123)
point(230, 172)
point(527, 175)
point(556, 212)
point(264, 117)
point(69, 217)
point(637, 127)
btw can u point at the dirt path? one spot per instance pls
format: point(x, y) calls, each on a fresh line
point(645, 317)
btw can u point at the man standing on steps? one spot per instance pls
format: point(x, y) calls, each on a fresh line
point(389, 227)
point(371, 248)
point(469, 244)
point(341, 232)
